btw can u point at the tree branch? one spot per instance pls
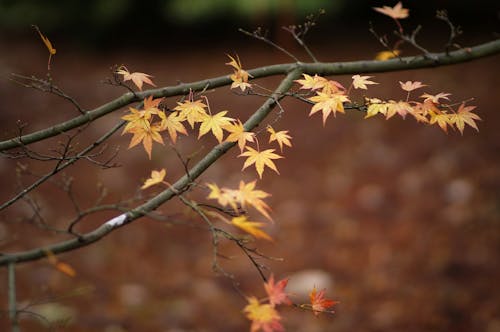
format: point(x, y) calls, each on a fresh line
point(334, 68)
point(12, 297)
point(155, 202)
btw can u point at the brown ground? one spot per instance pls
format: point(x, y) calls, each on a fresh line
point(399, 220)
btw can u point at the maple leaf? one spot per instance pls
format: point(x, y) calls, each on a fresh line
point(251, 227)
point(240, 76)
point(312, 82)
point(276, 291)
point(375, 107)
point(260, 159)
point(150, 103)
point(328, 103)
point(215, 123)
point(247, 194)
point(192, 111)
point(442, 118)
point(223, 196)
point(410, 86)
point(401, 107)
point(360, 82)
point(464, 116)
point(138, 78)
point(281, 137)
point(136, 118)
point(58, 265)
point(395, 12)
point(319, 303)
point(263, 316)
point(48, 44)
point(435, 98)
point(173, 124)
point(238, 134)
point(386, 55)
point(155, 178)
point(146, 135)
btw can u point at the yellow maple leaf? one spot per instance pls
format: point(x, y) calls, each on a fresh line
point(263, 316)
point(173, 124)
point(375, 107)
point(386, 55)
point(240, 76)
point(251, 227)
point(312, 82)
point(155, 178)
point(260, 159)
point(238, 134)
point(224, 196)
point(192, 111)
point(138, 78)
point(328, 103)
point(395, 12)
point(361, 82)
point(136, 118)
point(464, 116)
point(281, 137)
point(442, 119)
point(215, 123)
point(248, 195)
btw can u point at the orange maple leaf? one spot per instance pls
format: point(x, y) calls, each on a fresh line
point(215, 123)
point(251, 227)
point(155, 178)
point(281, 137)
point(263, 316)
point(238, 134)
point(464, 116)
point(138, 78)
point(319, 303)
point(146, 135)
point(328, 103)
point(48, 44)
point(386, 55)
point(361, 82)
point(395, 12)
point(260, 159)
point(276, 291)
point(58, 265)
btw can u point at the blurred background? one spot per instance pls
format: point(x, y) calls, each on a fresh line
point(398, 220)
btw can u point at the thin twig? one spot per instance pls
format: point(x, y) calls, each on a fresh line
point(14, 322)
point(62, 166)
point(45, 86)
point(257, 34)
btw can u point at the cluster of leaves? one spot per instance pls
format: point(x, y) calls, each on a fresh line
point(330, 97)
point(147, 124)
point(263, 312)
